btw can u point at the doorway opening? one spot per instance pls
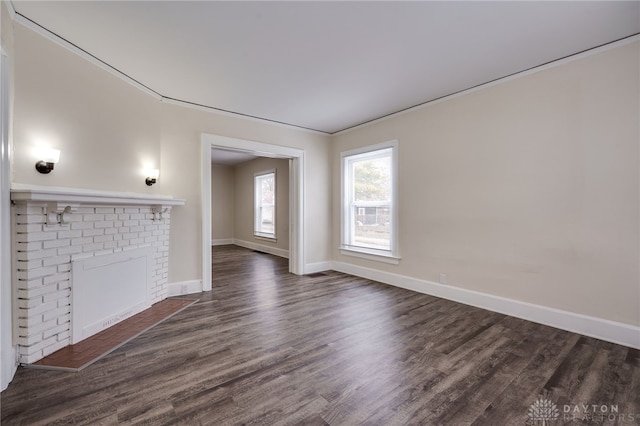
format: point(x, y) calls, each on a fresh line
point(243, 147)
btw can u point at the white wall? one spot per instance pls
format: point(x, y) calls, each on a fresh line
point(528, 189)
point(222, 202)
point(106, 129)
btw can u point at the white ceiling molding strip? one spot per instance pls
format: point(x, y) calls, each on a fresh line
point(71, 47)
point(214, 110)
point(498, 81)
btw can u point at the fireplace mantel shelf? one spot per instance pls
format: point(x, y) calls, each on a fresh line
point(24, 192)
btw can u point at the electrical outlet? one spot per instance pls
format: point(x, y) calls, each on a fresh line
point(443, 279)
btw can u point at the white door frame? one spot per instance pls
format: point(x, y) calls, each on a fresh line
point(7, 349)
point(296, 196)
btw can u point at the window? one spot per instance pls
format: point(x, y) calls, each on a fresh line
point(368, 202)
point(265, 205)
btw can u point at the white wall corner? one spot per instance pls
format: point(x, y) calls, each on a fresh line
point(610, 331)
point(262, 247)
point(184, 287)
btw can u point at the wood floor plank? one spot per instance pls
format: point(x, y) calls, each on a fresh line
point(512, 403)
point(266, 347)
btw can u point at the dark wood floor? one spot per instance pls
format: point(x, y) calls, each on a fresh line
point(266, 347)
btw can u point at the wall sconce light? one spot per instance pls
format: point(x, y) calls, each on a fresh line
point(152, 176)
point(49, 157)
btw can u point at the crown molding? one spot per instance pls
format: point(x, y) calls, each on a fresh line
point(213, 110)
point(114, 71)
point(51, 36)
point(506, 79)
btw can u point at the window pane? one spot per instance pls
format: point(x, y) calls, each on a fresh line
point(265, 197)
point(267, 186)
point(266, 220)
point(372, 179)
point(368, 201)
point(372, 229)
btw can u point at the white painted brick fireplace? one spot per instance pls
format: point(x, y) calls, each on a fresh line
point(54, 227)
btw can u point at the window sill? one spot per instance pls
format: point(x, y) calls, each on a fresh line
point(370, 255)
point(265, 238)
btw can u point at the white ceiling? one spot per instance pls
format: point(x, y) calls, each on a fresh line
point(224, 157)
point(327, 65)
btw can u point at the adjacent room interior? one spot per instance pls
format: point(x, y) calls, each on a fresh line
point(239, 214)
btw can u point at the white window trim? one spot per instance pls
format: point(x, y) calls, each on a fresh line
point(364, 253)
point(258, 234)
point(386, 256)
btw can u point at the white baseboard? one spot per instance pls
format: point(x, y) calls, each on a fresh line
point(261, 247)
point(312, 268)
point(611, 331)
point(222, 242)
point(184, 287)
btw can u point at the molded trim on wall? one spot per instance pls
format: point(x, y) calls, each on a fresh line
point(261, 247)
point(611, 331)
point(184, 287)
point(222, 241)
